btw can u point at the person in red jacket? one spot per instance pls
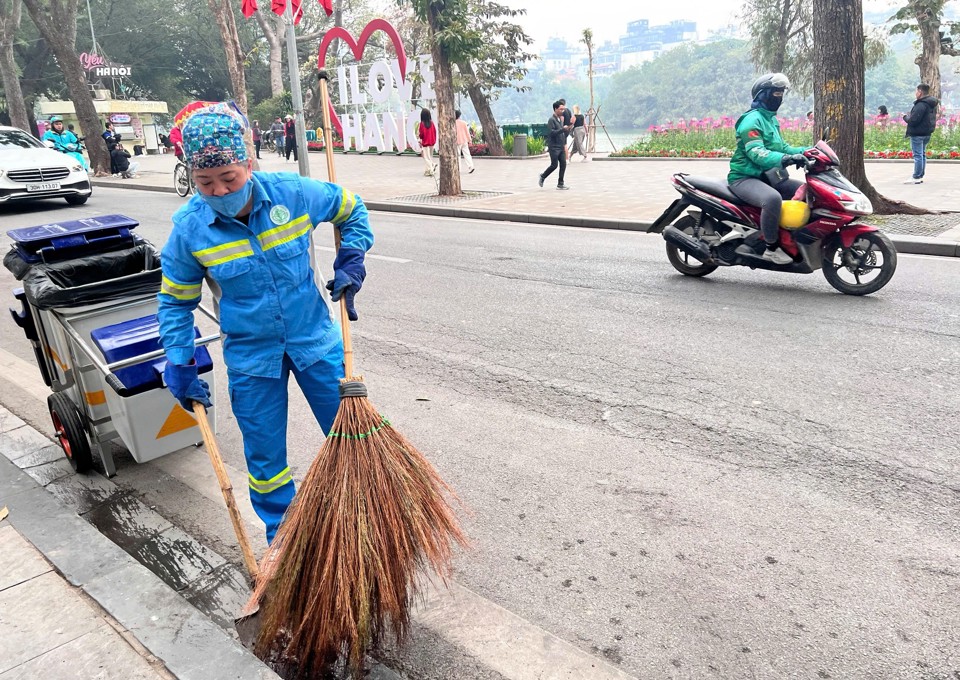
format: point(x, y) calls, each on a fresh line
point(428, 138)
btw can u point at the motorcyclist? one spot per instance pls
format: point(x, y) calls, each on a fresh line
point(63, 140)
point(757, 170)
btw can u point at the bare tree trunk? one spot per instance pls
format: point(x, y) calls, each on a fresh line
point(57, 22)
point(275, 42)
point(928, 25)
point(491, 134)
point(446, 118)
point(838, 67)
point(10, 12)
point(222, 12)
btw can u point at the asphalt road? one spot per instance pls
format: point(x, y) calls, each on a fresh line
point(749, 475)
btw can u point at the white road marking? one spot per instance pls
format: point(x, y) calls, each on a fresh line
point(494, 636)
point(398, 260)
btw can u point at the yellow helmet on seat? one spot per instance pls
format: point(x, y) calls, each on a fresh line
point(794, 214)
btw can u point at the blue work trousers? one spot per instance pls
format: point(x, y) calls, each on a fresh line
point(260, 407)
point(918, 145)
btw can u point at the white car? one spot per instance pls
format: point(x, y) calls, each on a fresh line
point(29, 170)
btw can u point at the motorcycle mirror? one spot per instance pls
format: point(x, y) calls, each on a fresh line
point(47, 143)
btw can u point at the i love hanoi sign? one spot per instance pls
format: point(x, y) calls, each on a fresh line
point(387, 81)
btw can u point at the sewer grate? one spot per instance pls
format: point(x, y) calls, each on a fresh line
point(434, 199)
point(915, 225)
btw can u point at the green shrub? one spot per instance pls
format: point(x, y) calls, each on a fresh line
point(536, 146)
point(267, 111)
point(508, 144)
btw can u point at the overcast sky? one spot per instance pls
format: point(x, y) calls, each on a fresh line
point(609, 18)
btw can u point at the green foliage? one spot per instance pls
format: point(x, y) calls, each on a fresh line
point(690, 80)
point(535, 146)
point(267, 110)
point(508, 143)
point(781, 39)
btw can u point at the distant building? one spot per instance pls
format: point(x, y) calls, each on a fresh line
point(644, 42)
point(559, 56)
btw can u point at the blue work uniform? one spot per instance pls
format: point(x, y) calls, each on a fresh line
point(273, 317)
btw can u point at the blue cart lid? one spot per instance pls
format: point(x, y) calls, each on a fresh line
point(135, 337)
point(74, 238)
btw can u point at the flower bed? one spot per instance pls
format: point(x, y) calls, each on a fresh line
point(714, 138)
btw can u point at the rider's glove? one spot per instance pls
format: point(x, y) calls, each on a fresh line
point(348, 275)
point(797, 159)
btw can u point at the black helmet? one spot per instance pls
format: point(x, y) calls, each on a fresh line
point(769, 81)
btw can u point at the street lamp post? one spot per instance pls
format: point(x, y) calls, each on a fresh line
point(293, 65)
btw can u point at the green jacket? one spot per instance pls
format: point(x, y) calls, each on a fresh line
point(759, 145)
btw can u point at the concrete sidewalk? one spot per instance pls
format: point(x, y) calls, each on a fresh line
point(57, 624)
point(50, 629)
point(606, 193)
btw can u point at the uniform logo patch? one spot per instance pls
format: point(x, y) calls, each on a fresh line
point(753, 134)
point(279, 214)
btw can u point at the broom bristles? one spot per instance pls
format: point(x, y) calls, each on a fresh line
point(341, 572)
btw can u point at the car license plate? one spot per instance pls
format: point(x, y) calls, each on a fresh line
point(44, 186)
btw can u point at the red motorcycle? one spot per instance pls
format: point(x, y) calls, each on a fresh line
point(720, 230)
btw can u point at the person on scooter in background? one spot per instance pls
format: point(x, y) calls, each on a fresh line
point(250, 236)
point(64, 141)
point(757, 170)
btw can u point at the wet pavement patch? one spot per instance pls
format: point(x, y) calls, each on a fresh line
point(176, 558)
point(126, 521)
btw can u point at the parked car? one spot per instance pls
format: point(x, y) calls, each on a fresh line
point(29, 170)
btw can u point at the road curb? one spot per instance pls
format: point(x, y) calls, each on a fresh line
point(190, 645)
point(908, 245)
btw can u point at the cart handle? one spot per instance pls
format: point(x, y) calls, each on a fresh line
point(114, 382)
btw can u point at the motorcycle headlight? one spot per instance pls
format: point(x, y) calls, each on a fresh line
point(860, 205)
point(76, 168)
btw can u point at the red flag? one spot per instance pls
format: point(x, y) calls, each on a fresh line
point(277, 6)
point(248, 7)
point(327, 6)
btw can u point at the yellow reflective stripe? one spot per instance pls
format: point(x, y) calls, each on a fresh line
point(179, 291)
point(285, 232)
point(347, 204)
point(224, 253)
point(272, 484)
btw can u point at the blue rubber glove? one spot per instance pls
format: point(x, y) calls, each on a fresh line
point(348, 275)
point(186, 386)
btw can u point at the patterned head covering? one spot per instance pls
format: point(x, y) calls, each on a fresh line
point(213, 134)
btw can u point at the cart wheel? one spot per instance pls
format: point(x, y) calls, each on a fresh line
point(69, 432)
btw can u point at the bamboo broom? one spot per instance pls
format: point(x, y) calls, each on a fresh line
point(370, 515)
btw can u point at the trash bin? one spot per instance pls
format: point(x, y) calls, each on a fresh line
point(519, 145)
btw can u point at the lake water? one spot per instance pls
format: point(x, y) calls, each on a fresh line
point(619, 138)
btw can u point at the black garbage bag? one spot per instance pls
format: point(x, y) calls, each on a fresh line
point(15, 264)
point(102, 277)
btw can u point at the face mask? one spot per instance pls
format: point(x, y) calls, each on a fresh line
point(770, 102)
point(230, 204)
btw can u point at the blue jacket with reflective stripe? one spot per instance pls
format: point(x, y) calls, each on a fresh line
point(262, 273)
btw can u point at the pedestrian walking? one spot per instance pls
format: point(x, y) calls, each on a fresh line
point(257, 137)
point(579, 133)
point(463, 142)
point(277, 131)
point(250, 234)
point(567, 127)
point(921, 122)
point(290, 135)
point(427, 132)
point(556, 145)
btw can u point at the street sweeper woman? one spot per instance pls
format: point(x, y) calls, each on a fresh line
point(249, 234)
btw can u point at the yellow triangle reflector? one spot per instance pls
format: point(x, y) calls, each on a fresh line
point(177, 421)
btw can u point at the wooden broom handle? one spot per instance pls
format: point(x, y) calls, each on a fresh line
point(332, 177)
point(226, 487)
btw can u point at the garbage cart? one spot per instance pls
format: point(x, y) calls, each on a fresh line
point(88, 306)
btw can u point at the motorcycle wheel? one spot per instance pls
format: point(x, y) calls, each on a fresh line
point(181, 181)
point(870, 261)
point(683, 263)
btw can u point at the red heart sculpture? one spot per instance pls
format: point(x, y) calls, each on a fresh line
point(357, 47)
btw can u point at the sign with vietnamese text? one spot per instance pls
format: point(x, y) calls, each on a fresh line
point(98, 66)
